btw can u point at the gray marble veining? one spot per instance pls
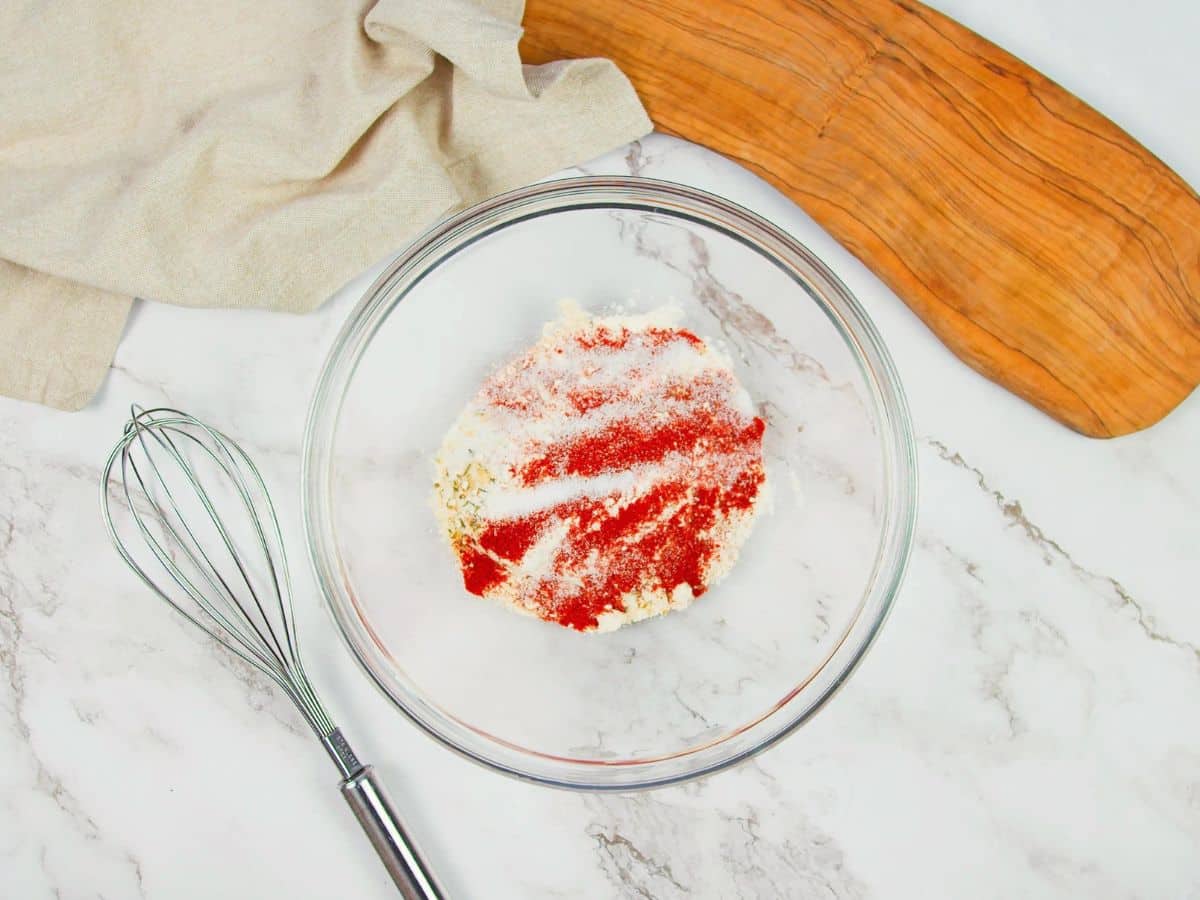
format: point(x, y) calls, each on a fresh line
point(1025, 727)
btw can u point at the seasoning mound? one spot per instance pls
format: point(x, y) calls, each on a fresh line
point(609, 474)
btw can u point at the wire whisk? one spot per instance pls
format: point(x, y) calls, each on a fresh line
point(191, 515)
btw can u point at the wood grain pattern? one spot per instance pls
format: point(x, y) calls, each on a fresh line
point(1040, 242)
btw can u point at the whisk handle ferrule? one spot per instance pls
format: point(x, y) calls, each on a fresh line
point(378, 818)
point(342, 753)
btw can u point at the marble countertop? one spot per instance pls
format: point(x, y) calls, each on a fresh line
point(1026, 727)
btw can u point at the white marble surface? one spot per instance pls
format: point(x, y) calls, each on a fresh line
point(1026, 727)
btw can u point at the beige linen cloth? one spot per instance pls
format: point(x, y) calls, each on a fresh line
point(252, 153)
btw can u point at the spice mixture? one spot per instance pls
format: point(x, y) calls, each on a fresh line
point(609, 474)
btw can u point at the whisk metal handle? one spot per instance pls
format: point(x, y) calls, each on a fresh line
point(375, 813)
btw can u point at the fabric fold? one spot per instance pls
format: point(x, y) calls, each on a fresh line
point(220, 154)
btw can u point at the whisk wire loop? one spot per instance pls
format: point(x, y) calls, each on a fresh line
point(169, 466)
point(210, 570)
point(156, 461)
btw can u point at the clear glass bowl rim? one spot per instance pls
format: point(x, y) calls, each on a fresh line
point(452, 234)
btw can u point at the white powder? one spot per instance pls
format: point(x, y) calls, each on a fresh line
point(507, 459)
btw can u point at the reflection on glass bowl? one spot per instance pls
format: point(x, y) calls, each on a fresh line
point(666, 699)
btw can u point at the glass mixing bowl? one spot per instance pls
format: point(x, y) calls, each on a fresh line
point(665, 699)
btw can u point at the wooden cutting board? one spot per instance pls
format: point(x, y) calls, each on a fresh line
point(1040, 242)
